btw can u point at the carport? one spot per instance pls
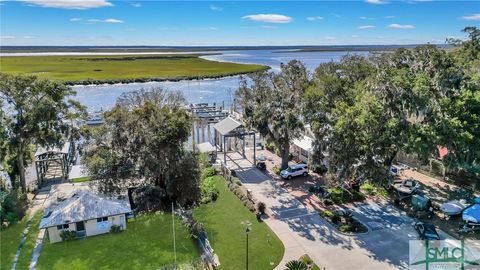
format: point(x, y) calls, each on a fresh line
point(226, 136)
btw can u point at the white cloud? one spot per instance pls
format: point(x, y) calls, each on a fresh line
point(355, 36)
point(314, 18)
point(137, 5)
point(7, 37)
point(376, 2)
point(28, 37)
point(91, 21)
point(215, 8)
point(213, 28)
point(366, 26)
point(70, 4)
point(401, 26)
point(389, 17)
point(268, 18)
point(473, 17)
point(330, 38)
point(366, 18)
point(112, 21)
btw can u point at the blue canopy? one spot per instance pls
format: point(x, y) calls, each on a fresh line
point(472, 213)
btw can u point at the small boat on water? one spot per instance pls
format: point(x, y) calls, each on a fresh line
point(95, 118)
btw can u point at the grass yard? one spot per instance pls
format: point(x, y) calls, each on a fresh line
point(145, 244)
point(27, 250)
point(223, 222)
point(97, 69)
point(9, 241)
point(82, 179)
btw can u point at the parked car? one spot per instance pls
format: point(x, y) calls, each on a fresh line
point(426, 231)
point(294, 170)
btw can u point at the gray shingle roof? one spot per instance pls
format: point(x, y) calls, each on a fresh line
point(227, 125)
point(83, 205)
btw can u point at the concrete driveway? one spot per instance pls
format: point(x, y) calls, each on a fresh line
point(303, 231)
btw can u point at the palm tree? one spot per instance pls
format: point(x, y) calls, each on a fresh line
point(296, 265)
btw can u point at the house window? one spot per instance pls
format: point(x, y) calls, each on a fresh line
point(62, 227)
point(102, 219)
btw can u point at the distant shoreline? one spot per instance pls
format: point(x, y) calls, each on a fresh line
point(195, 49)
point(146, 80)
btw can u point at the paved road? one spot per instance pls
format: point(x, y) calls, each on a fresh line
point(303, 232)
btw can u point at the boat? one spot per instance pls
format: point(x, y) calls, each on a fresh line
point(95, 118)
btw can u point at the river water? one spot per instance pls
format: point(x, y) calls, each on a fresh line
point(97, 97)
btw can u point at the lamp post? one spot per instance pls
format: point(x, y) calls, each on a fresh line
point(247, 231)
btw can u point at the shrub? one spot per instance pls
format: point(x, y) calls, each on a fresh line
point(336, 195)
point(306, 259)
point(276, 169)
point(327, 213)
point(67, 235)
point(347, 215)
point(208, 172)
point(250, 206)
point(296, 265)
point(339, 196)
point(203, 161)
point(261, 207)
point(345, 228)
point(335, 218)
point(327, 202)
point(368, 188)
point(8, 209)
point(270, 147)
point(237, 181)
point(115, 228)
point(208, 190)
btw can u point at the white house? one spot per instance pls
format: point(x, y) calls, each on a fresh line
point(302, 147)
point(85, 213)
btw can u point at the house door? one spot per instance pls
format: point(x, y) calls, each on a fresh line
point(80, 226)
point(81, 229)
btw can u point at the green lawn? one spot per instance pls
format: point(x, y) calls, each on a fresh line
point(145, 244)
point(9, 241)
point(27, 249)
point(105, 68)
point(82, 179)
point(223, 222)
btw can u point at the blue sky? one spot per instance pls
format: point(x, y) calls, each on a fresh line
point(190, 23)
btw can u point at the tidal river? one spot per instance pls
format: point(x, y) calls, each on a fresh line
point(97, 97)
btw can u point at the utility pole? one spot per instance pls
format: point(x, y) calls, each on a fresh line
point(246, 264)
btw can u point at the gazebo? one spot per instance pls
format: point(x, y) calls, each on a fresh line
point(53, 159)
point(231, 128)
